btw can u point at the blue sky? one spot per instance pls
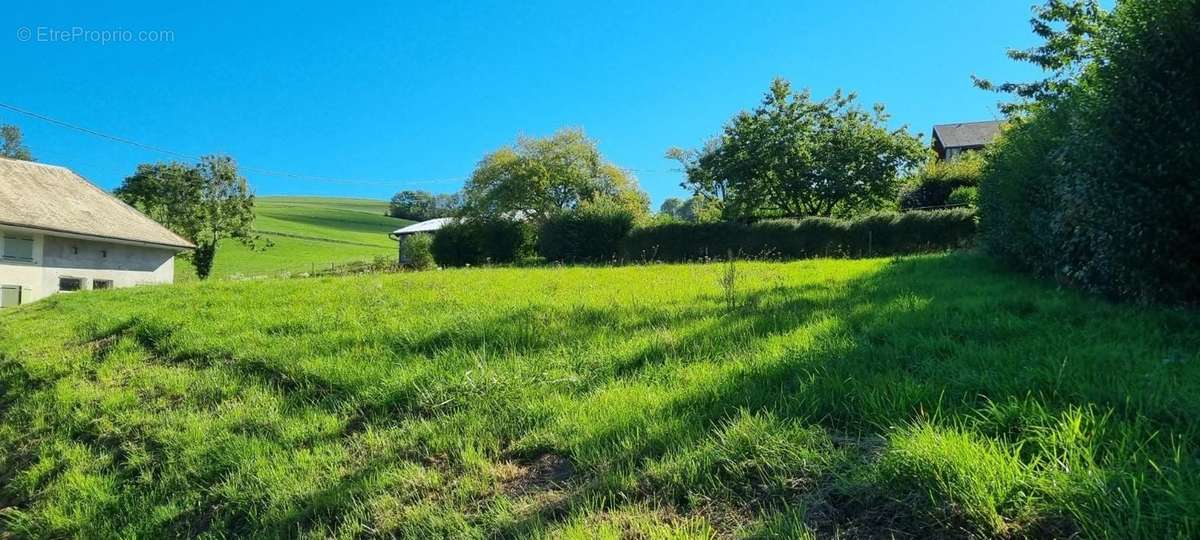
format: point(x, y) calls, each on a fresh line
point(410, 96)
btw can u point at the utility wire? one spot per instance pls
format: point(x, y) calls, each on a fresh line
point(256, 170)
point(181, 155)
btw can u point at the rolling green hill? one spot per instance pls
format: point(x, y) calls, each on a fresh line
point(308, 233)
point(916, 397)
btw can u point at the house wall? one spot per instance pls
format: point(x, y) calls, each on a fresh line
point(89, 260)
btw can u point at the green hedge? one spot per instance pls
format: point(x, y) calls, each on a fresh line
point(1098, 188)
point(585, 235)
point(932, 184)
point(475, 242)
point(872, 235)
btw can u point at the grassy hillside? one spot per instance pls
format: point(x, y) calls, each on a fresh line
point(308, 233)
point(920, 397)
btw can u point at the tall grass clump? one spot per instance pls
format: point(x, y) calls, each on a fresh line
point(953, 477)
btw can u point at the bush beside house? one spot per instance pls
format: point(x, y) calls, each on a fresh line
point(481, 241)
point(416, 251)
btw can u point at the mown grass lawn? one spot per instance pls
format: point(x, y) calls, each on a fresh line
point(309, 233)
point(916, 397)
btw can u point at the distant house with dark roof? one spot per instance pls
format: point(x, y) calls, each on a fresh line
point(58, 232)
point(950, 140)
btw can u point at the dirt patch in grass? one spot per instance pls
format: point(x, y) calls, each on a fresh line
point(547, 472)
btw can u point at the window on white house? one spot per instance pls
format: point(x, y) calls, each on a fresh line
point(10, 296)
point(69, 284)
point(17, 248)
point(102, 284)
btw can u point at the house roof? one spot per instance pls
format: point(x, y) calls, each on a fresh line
point(53, 198)
point(430, 225)
point(966, 133)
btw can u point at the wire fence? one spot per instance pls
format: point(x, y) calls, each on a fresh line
point(381, 263)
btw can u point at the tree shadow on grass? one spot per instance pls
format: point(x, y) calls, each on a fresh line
point(924, 338)
point(927, 337)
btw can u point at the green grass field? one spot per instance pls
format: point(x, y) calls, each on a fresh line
point(931, 396)
point(309, 233)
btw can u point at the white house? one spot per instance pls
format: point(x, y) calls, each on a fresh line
point(58, 232)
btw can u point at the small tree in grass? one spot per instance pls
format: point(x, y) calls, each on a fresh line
point(205, 203)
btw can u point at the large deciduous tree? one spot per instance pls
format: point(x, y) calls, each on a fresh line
point(540, 177)
point(11, 144)
point(205, 203)
point(794, 157)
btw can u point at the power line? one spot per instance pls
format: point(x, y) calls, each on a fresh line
point(181, 155)
point(259, 170)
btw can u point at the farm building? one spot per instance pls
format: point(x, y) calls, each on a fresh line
point(428, 226)
point(950, 140)
point(59, 232)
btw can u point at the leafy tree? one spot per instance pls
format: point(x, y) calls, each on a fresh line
point(696, 209)
point(205, 203)
point(538, 178)
point(794, 157)
point(423, 205)
point(11, 145)
point(671, 206)
point(1069, 29)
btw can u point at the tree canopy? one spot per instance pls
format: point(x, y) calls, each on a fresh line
point(793, 156)
point(11, 144)
point(422, 205)
point(695, 209)
point(205, 203)
point(540, 177)
point(1069, 30)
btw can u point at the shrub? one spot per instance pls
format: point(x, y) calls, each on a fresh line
point(932, 185)
point(871, 235)
point(481, 241)
point(964, 196)
point(1098, 187)
point(588, 234)
point(416, 251)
